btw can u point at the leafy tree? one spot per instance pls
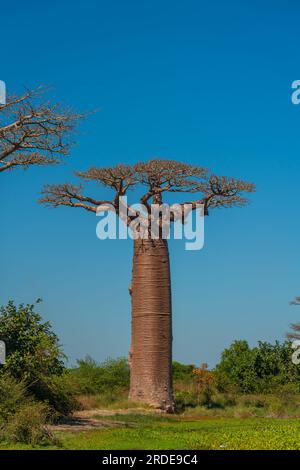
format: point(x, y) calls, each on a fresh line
point(261, 369)
point(33, 349)
point(151, 342)
point(236, 368)
point(34, 355)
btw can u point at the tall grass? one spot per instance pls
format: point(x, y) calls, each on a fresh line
point(22, 419)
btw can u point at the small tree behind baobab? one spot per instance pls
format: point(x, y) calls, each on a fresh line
point(33, 131)
point(151, 340)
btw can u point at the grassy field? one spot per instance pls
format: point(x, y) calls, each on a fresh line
point(162, 433)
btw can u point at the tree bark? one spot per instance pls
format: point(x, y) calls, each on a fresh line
point(151, 340)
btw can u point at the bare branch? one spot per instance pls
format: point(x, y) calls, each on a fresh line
point(295, 335)
point(69, 195)
point(161, 176)
point(34, 132)
point(295, 326)
point(226, 192)
point(220, 191)
point(296, 301)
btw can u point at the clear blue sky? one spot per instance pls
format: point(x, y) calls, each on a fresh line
point(203, 82)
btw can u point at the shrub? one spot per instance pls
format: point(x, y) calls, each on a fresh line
point(34, 356)
point(21, 418)
point(12, 396)
point(182, 372)
point(262, 369)
point(223, 400)
point(205, 380)
point(183, 400)
point(58, 394)
point(28, 426)
point(33, 349)
point(106, 378)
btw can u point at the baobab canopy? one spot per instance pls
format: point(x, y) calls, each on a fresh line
point(159, 177)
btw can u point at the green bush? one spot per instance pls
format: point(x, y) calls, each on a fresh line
point(185, 399)
point(224, 400)
point(33, 350)
point(58, 394)
point(104, 378)
point(21, 418)
point(28, 426)
point(182, 372)
point(265, 368)
point(34, 356)
point(253, 401)
point(12, 396)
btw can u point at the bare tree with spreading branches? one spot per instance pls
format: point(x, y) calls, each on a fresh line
point(294, 326)
point(151, 341)
point(34, 131)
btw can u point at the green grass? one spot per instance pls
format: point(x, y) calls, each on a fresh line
point(161, 433)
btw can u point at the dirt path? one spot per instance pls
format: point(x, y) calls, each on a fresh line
point(85, 420)
point(129, 411)
point(81, 424)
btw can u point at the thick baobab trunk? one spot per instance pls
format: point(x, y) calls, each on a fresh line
point(151, 341)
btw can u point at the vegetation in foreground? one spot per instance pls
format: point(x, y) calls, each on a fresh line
point(185, 434)
point(177, 432)
point(252, 385)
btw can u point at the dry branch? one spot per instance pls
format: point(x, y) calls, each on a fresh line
point(34, 131)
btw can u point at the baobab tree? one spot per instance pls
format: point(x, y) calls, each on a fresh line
point(34, 131)
point(151, 341)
